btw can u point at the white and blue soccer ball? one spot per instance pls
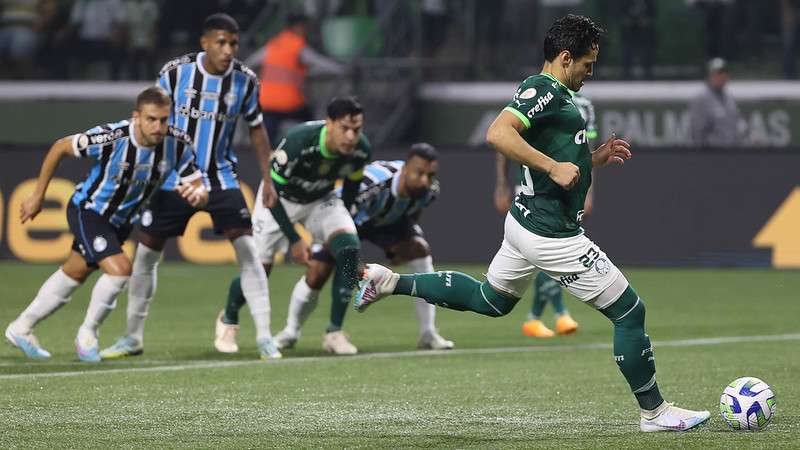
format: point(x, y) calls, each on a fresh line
point(747, 404)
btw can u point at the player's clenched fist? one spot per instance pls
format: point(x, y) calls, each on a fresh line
point(195, 194)
point(564, 174)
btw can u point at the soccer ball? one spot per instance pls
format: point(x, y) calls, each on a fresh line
point(747, 404)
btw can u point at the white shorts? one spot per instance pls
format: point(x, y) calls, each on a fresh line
point(321, 218)
point(575, 262)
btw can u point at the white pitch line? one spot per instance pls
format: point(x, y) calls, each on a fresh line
point(216, 364)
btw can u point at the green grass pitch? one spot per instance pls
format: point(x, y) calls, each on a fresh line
point(498, 390)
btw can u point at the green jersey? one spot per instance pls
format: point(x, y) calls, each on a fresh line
point(304, 170)
point(586, 108)
point(553, 125)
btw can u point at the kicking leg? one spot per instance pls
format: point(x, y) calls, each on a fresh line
point(451, 290)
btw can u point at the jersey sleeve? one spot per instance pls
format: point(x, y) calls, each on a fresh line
point(94, 143)
point(363, 157)
point(252, 110)
point(587, 111)
point(187, 167)
point(533, 102)
point(283, 160)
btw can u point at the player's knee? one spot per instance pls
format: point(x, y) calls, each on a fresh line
point(317, 274)
point(418, 248)
point(117, 265)
point(235, 233)
point(344, 246)
point(498, 304)
point(156, 243)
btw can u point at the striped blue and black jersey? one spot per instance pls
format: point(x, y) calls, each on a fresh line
point(126, 174)
point(378, 203)
point(207, 107)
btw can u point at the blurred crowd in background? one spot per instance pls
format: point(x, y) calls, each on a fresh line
point(446, 39)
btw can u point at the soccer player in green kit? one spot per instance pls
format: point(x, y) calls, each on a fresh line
point(543, 130)
point(545, 289)
point(305, 167)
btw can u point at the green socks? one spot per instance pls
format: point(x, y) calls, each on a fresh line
point(235, 302)
point(455, 290)
point(632, 349)
point(546, 289)
point(345, 249)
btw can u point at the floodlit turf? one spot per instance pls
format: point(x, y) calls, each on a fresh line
point(499, 390)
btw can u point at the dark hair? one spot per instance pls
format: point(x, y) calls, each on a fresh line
point(344, 106)
point(153, 95)
point(296, 18)
point(220, 21)
point(423, 150)
point(577, 34)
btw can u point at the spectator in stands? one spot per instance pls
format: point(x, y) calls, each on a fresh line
point(19, 23)
point(54, 39)
point(142, 17)
point(714, 117)
point(639, 42)
point(100, 29)
point(717, 24)
point(284, 61)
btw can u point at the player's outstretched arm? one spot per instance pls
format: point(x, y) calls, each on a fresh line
point(504, 136)
point(613, 151)
point(32, 205)
point(263, 149)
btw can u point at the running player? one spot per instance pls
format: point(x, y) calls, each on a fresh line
point(542, 129)
point(211, 90)
point(305, 167)
point(391, 198)
point(545, 289)
point(132, 160)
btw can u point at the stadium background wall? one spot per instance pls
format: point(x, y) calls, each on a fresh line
point(666, 207)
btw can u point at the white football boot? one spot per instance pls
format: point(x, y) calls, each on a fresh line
point(668, 417)
point(86, 346)
point(225, 336)
point(336, 342)
point(286, 338)
point(377, 282)
point(433, 341)
point(268, 350)
point(26, 342)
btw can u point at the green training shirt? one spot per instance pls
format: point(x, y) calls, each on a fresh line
point(304, 170)
point(554, 126)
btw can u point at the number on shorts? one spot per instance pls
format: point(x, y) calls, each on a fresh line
point(590, 257)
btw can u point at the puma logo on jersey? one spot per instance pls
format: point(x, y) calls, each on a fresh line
point(541, 102)
point(580, 137)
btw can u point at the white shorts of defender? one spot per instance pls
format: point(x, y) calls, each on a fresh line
point(321, 218)
point(577, 263)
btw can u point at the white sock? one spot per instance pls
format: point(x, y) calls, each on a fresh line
point(104, 299)
point(142, 289)
point(254, 284)
point(426, 313)
point(54, 293)
point(303, 302)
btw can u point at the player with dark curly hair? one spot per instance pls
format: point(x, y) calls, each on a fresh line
point(543, 130)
